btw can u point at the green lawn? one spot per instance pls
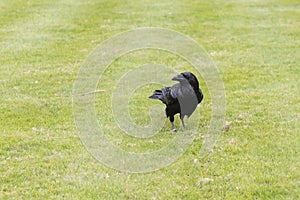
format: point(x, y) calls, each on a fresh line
point(255, 45)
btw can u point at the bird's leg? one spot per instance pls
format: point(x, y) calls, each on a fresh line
point(182, 121)
point(173, 127)
point(172, 122)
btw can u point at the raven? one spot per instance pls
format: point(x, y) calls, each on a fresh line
point(182, 98)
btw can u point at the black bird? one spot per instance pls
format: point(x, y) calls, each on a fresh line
point(181, 98)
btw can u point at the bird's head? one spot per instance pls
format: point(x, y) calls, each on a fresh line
point(187, 77)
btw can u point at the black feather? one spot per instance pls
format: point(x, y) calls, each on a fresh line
point(181, 98)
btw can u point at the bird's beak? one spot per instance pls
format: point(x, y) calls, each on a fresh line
point(179, 77)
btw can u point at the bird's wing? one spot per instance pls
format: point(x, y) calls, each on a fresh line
point(169, 95)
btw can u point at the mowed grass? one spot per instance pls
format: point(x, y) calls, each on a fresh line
point(255, 45)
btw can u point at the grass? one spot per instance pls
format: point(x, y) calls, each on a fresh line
point(255, 45)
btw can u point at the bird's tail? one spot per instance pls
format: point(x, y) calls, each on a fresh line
point(158, 94)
